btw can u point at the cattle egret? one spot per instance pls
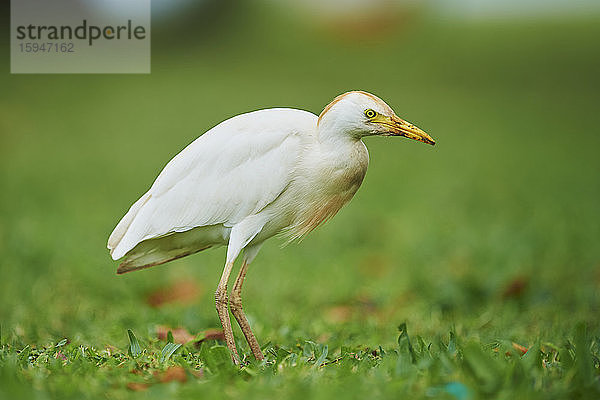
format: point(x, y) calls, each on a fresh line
point(268, 172)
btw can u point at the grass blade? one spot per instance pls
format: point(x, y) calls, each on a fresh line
point(168, 351)
point(134, 345)
point(404, 342)
point(322, 357)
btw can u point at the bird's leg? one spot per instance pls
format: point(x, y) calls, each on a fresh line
point(222, 310)
point(235, 303)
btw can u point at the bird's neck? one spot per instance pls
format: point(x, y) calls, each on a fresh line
point(341, 151)
point(332, 134)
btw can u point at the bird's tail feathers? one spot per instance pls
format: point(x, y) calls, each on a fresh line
point(160, 250)
point(137, 262)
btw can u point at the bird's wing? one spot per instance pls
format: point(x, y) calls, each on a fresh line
point(232, 171)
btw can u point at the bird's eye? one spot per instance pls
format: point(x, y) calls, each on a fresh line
point(370, 113)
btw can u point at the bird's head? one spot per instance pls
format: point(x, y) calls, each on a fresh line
point(359, 114)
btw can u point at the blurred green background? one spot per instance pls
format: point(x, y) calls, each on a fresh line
point(494, 231)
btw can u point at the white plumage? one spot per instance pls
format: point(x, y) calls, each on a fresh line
point(251, 177)
point(231, 172)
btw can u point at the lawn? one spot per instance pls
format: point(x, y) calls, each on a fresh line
point(466, 270)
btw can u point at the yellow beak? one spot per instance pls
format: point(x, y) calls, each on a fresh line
point(399, 127)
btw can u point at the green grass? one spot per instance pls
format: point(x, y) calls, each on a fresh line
point(488, 239)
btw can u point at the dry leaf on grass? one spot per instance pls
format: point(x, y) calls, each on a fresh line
point(521, 349)
point(172, 374)
point(339, 313)
point(359, 307)
point(183, 292)
point(176, 373)
point(137, 386)
point(515, 288)
point(180, 335)
point(212, 334)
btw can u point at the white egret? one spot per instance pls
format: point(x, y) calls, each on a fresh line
point(253, 176)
